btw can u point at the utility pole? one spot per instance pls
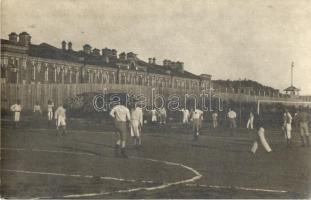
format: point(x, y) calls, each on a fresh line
point(240, 96)
point(292, 73)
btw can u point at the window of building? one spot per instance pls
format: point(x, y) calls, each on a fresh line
point(111, 77)
point(123, 79)
point(3, 71)
point(140, 80)
point(46, 74)
point(187, 84)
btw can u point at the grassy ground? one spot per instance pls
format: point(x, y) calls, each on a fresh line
point(37, 163)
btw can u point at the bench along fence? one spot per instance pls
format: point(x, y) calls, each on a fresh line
point(58, 93)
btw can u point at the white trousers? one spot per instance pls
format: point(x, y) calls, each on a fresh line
point(250, 123)
point(135, 131)
point(50, 115)
point(61, 121)
point(185, 120)
point(17, 116)
point(288, 131)
point(263, 141)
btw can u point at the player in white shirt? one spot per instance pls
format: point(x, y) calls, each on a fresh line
point(250, 121)
point(287, 127)
point(60, 116)
point(37, 113)
point(16, 109)
point(185, 116)
point(136, 124)
point(232, 121)
point(153, 117)
point(162, 115)
point(196, 118)
point(50, 111)
point(121, 116)
point(215, 119)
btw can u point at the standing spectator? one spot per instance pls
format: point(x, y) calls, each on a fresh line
point(232, 121)
point(196, 118)
point(50, 111)
point(136, 125)
point(250, 121)
point(16, 109)
point(287, 127)
point(215, 119)
point(37, 113)
point(153, 117)
point(185, 116)
point(162, 115)
point(260, 137)
point(60, 116)
point(302, 119)
point(121, 116)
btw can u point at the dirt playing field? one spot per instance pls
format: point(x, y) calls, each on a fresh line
point(38, 164)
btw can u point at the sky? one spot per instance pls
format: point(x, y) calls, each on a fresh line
point(229, 39)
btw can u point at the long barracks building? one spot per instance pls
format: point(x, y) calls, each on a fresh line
point(25, 63)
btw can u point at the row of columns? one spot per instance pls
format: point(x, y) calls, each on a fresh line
point(35, 72)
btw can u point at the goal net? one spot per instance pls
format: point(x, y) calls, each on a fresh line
point(266, 105)
point(272, 110)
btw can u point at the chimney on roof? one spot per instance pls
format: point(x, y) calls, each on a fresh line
point(69, 46)
point(13, 37)
point(63, 45)
point(150, 60)
point(180, 66)
point(106, 52)
point(96, 52)
point(114, 53)
point(153, 61)
point(87, 48)
point(122, 56)
point(106, 59)
point(131, 55)
point(165, 62)
point(24, 39)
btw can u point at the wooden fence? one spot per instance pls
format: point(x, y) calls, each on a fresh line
point(58, 93)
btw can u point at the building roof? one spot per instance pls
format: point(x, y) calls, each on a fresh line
point(3, 41)
point(47, 51)
point(159, 69)
point(292, 88)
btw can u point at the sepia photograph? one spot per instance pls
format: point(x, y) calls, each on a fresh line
point(155, 99)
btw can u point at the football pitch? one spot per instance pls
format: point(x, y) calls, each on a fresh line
point(38, 164)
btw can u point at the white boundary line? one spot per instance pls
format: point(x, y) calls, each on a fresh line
point(187, 181)
point(196, 177)
point(74, 175)
point(238, 188)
